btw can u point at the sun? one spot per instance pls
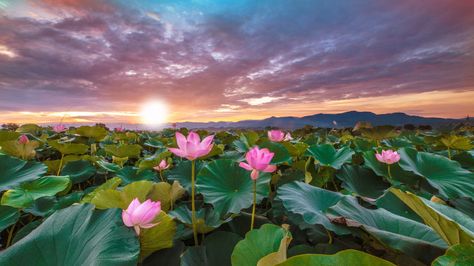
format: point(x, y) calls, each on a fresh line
point(154, 113)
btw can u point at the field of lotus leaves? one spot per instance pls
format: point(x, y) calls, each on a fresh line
point(369, 196)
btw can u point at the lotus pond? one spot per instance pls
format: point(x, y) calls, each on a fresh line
point(369, 196)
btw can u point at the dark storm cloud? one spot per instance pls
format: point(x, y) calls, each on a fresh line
point(102, 55)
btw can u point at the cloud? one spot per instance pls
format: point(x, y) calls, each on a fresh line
point(245, 57)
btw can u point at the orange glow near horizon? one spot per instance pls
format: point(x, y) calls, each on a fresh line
point(428, 104)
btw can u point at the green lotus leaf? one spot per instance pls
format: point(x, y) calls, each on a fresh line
point(69, 148)
point(362, 181)
point(78, 171)
point(8, 216)
point(311, 203)
point(345, 257)
point(451, 180)
point(206, 218)
point(295, 149)
point(182, 173)
point(457, 255)
point(66, 238)
point(110, 167)
point(215, 250)
point(14, 171)
point(168, 256)
point(167, 194)
point(393, 204)
point(24, 195)
point(158, 237)
point(95, 132)
point(327, 155)
point(154, 143)
point(228, 187)
point(452, 225)
point(466, 159)
point(397, 232)
point(45, 206)
point(281, 153)
point(112, 183)
point(130, 174)
point(111, 198)
point(124, 150)
point(257, 244)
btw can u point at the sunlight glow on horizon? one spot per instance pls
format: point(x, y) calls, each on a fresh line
point(154, 113)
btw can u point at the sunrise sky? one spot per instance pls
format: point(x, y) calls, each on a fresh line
point(100, 61)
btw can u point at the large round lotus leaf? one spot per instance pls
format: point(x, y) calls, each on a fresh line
point(393, 204)
point(24, 195)
point(94, 132)
point(110, 167)
point(112, 183)
point(159, 236)
point(125, 150)
point(167, 194)
point(78, 171)
point(361, 181)
point(257, 244)
point(466, 159)
point(310, 202)
point(216, 250)
point(458, 255)
point(69, 148)
point(397, 232)
point(228, 187)
point(8, 216)
point(398, 174)
point(446, 175)
point(182, 173)
point(281, 153)
point(206, 219)
point(111, 198)
point(14, 171)
point(130, 174)
point(168, 256)
point(345, 257)
point(45, 206)
point(78, 235)
point(327, 155)
point(452, 225)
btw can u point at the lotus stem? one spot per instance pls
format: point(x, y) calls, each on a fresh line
point(254, 203)
point(161, 176)
point(10, 235)
point(449, 153)
point(389, 173)
point(60, 164)
point(193, 206)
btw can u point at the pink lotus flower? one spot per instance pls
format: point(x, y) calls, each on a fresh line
point(162, 166)
point(276, 135)
point(288, 137)
point(192, 148)
point(258, 160)
point(59, 128)
point(141, 215)
point(388, 157)
point(23, 139)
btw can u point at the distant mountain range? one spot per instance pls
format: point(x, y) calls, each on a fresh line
point(347, 119)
